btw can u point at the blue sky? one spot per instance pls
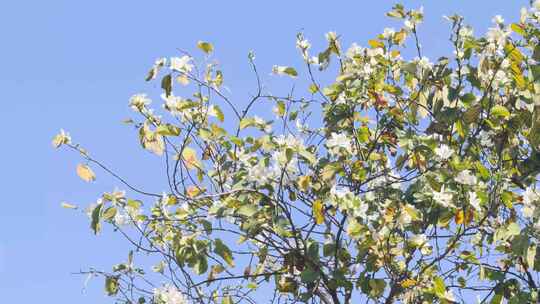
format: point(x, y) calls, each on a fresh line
point(74, 64)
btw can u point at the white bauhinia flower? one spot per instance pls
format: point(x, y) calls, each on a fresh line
point(139, 101)
point(290, 141)
point(62, 138)
point(354, 50)
point(260, 173)
point(283, 163)
point(388, 33)
point(497, 36)
point(485, 138)
point(169, 295)
point(303, 44)
point(337, 142)
point(530, 197)
point(419, 240)
point(181, 64)
point(465, 32)
point(121, 218)
point(449, 295)
point(444, 152)
point(498, 19)
point(466, 178)
point(443, 197)
point(474, 201)
point(409, 25)
point(424, 63)
point(361, 210)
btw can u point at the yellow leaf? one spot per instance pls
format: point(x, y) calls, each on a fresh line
point(463, 217)
point(85, 173)
point(318, 212)
point(183, 80)
point(303, 182)
point(206, 47)
point(408, 283)
point(190, 158)
point(68, 206)
point(193, 191)
point(375, 44)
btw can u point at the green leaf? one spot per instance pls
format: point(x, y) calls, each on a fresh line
point(111, 285)
point(201, 265)
point(168, 130)
point(500, 111)
point(290, 71)
point(206, 47)
point(309, 275)
point(224, 252)
point(247, 210)
point(531, 255)
point(438, 287)
point(377, 287)
point(227, 300)
point(517, 29)
point(246, 122)
point(166, 84)
point(513, 229)
point(219, 114)
point(109, 213)
point(96, 215)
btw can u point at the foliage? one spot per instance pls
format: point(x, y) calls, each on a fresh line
point(415, 185)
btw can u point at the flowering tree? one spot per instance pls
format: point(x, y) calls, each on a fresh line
point(405, 181)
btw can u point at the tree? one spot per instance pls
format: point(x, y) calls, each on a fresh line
point(415, 185)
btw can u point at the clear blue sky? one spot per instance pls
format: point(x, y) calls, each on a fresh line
point(74, 64)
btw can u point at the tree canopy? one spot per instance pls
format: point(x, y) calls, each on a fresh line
point(400, 181)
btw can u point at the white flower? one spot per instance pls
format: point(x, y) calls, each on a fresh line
point(282, 162)
point(408, 25)
point(444, 152)
point(466, 178)
point(340, 193)
point(260, 173)
point(181, 64)
point(449, 296)
point(474, 201)
point(169, 295)
point(361, 210)
point(262, 123)
point(354, 50)
point(290, 141)
point(337, 142)
point(465, 31)
point(61, 138)
point(121, 218)
point(536, 5)
point(283, 70)
point(497, 35)
point(424, 63)
point(485, 138)
point(530, 197)
point(303, 44)
point(498, 19)
point(388, 33)
point(421, 241)
point(443, 197)
point(139, 101)
point(302, 127)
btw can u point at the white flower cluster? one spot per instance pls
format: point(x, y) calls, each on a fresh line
point(337, 143)
point(346, 201)
point(168, 294)
point(181, 64)
point(531, 199)
point(138, 102)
